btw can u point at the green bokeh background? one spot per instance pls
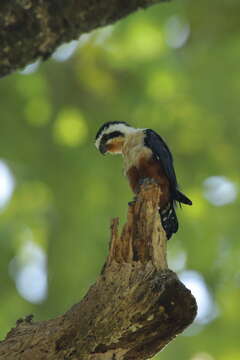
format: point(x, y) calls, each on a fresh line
point(174, 68)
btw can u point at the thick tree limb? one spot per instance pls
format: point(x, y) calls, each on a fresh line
point(132, 311)
point(32, 29)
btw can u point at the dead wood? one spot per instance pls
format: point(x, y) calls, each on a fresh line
point(136, 306)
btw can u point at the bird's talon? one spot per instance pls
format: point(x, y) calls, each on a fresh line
point(146, 181)
point(131, 203)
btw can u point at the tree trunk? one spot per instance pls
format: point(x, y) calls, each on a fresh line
point(136, 306)
point(32, 29)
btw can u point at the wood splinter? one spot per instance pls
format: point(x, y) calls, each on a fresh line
point(135, 308)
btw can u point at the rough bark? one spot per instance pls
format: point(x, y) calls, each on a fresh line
point(32, 29)
point(136, 306)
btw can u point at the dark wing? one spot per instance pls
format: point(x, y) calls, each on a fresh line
point(162, 154)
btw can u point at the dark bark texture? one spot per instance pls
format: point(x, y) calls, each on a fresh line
point(32, 29)
point(136, 306)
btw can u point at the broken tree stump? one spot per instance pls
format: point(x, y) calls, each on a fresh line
point(135, 308)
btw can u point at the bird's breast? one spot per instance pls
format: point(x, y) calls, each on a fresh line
point(134, 152)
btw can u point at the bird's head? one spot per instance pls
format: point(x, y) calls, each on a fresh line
point(111, 136)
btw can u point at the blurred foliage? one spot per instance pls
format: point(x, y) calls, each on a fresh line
point(174, 68)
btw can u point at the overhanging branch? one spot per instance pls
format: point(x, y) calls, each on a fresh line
point(32, 29)
point(136, 306)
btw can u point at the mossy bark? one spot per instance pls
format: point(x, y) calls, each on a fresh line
point(136, 306)
point(32, 29)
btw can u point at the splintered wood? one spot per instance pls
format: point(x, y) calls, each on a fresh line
point(135, 308)
point(143, 238)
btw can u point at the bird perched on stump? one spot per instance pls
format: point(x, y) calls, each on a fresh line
point(145, 156)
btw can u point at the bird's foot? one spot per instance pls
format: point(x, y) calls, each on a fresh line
point(147, 181)
point(144, 182)
point(131, 203)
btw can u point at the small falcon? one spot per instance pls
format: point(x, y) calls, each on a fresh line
point(146, 156)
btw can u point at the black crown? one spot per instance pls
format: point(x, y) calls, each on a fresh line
point(107, 124)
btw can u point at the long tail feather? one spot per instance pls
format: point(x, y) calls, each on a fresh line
point(169, 220)
point(182, 198)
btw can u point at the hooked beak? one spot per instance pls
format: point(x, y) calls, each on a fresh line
point(103, 148)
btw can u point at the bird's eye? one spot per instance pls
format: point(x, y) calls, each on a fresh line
point(114, 134)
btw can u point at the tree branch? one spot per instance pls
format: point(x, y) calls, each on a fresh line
point(136, 306)
point(32, 29)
